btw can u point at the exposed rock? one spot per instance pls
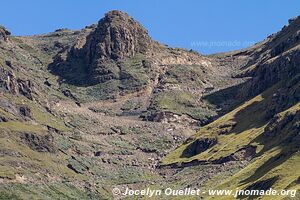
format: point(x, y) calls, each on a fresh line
point(293, 19)
point(9, 82)
point(25, 111)
point(7, 106)
point(69, 94)
point(117, 36)
point(4, 34)
point(169, 117)
point(78, 165)
point(40, 143)
point(93, 59)
point(277, 125)
point(284, 98)
point(276, 59)
point(9, 152)
point(198, 146)
point(46, 82)
point(246, 153)
point(53, 130)
point(226, 128)
point(269, 73)
point(61, 30)
point(25, 88)
point(98, 153)
point(3, 119)
point(106, 142)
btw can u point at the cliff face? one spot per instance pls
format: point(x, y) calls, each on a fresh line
point(117, 36)
point(4, 33)
point(10, 83)
point(278, 58)
point(94, 59)
point(274, 60)
point(264, 125)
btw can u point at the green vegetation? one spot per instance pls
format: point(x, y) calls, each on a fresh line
point(129, 76)
point(132, 175)
point(160, 144)
point(181, 102)
point(103, 91)
point(131, 105)
point(245, 130)
point(135, 73)
point(73, 122)
point(189, 75)
point(122, 144)
point(18, 126)
point(276, 157)
point(44, 191)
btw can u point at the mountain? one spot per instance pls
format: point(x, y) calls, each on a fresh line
point(263, 130)
point(84, 111)
point(94, 59)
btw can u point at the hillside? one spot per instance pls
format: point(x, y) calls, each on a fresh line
point(84, 111)
point(263, 130)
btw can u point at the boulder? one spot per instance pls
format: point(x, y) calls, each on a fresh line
point(4, 34)
point(40, 143)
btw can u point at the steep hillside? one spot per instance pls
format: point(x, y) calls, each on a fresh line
point(264, 130)
point(84, 111)
point(118, 59)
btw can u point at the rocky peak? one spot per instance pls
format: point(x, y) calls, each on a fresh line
point(4, 33)
point(94, 58)
point(117, 36)
point(294, 19)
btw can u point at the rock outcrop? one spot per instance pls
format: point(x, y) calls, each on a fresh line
point(9, 82)
point(96, 118)
point(39, 143)
point(4, 34)
point(117, 36)
point(198, 146)
point(274, 60)
point(94, 58)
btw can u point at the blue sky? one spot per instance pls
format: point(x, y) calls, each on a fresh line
point(208, 26)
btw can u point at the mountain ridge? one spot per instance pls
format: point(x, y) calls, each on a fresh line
point(82, 112)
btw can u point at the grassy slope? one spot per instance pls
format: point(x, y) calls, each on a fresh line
point(278, 162)
point(277, 157)
point(246, 129)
